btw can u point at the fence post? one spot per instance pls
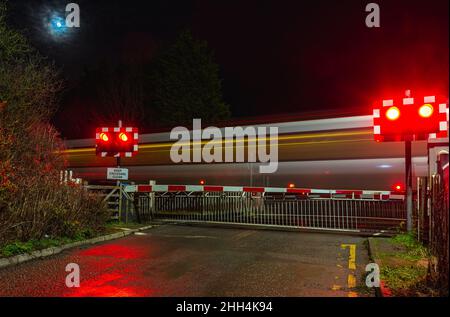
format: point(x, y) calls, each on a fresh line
point(152, 199)
point(120, 203)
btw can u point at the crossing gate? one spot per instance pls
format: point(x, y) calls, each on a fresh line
point(118, 201)
point(341, 210)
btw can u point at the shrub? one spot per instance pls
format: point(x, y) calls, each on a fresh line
point(33, 201)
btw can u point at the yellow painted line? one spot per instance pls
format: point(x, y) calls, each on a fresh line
point(351, 256)
point(351, 281)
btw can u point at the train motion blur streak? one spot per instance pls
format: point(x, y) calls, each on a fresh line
point(325, 153)
point(307, 146)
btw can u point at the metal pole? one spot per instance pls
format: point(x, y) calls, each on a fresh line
point(119, 191)
point(408, 184)
point(119, 124)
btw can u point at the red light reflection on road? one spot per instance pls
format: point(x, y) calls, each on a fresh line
point(114, 251)
point(108, 285)
point(110, 273)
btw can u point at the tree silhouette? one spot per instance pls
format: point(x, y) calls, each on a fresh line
point(185, 84)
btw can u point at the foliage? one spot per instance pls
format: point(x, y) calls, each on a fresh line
point(19, 247)
point(404, 265)
point(115, 90)
point(186, 85)
point(414, 249)
point(404, 278)
point(179, 84)
point(28, 82)
point(33, 202)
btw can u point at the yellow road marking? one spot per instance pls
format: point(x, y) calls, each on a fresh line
point(351, 281)
point(351, 256)
point(336, 287)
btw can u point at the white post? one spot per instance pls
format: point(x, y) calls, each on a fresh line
point(152, 197)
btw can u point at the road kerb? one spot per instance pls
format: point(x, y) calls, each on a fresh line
point(21, 258)
point(383, 290)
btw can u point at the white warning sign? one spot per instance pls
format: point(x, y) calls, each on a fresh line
point(117, 173)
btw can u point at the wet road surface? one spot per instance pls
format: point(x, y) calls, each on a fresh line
point(174, 260)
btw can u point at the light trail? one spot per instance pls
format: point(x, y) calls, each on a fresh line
point(236, 141)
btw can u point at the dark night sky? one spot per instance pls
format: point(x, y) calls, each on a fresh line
point(276, 57)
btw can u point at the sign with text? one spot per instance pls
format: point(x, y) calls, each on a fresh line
point(117, 174)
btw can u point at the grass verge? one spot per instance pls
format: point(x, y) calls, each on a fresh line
point(20, 247)
point(404, 266)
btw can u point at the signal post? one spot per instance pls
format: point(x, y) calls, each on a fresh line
point(117, 142)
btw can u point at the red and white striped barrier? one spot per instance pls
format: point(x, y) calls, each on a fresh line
point(322, 193)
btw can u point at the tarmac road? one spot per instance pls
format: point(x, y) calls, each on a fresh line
point(175, 260)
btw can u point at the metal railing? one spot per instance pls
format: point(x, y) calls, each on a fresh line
point(118, 201)
point(294, 211)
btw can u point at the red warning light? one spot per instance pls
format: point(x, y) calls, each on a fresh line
point(123, 137)
point(398, 187)
point(393, 113)
point(291, 185)
point(409, 118)
point(426, 110)
point(104, 137)
point(202, 182)
point(116, 141)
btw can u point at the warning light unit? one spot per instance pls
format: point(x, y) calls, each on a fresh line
point(116, 141)
point(410, 118)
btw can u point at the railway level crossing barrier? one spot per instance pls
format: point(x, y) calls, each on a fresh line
point(333, 210)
